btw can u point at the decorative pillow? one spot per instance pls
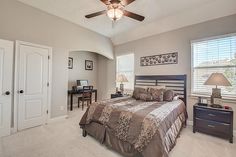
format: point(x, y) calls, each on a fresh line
point(145, 96)
point(157, 94)
point(168, 95)
point(138, 91)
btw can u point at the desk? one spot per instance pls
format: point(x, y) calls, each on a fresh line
point(71, 93)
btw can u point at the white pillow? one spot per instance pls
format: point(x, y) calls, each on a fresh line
point(176, 97)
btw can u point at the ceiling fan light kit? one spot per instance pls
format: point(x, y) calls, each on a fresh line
point(115, 10)
point(115, 13)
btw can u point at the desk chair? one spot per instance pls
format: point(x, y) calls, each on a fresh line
point(86, 96)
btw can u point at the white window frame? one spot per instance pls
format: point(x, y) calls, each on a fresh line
point(126, 89)
point(192, 68)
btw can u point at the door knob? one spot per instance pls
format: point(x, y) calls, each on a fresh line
point(7, 93)
point(21, 91)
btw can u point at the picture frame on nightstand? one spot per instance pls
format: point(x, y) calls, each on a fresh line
point(202, 101)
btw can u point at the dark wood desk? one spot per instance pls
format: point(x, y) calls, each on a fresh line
point(71, 93)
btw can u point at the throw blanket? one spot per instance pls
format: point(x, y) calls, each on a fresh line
point(137, 122)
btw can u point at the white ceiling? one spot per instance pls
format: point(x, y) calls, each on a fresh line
point(161, 15)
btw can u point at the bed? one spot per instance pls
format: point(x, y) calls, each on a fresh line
point(137, 128)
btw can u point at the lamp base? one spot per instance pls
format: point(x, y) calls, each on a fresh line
point(216, 93)
point(122, 88)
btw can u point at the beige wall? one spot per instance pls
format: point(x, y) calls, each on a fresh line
point(22, 22)
point(78, 72)
point(178, 40)
point(106, 77)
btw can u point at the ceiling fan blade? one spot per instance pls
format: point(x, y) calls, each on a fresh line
point(126, 2)
point(95, 14)
point(133, 15)
point(107, 2)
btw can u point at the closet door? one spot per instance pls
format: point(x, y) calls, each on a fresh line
point(6, 81)
point(32, 85)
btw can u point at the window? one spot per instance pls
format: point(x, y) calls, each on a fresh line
point(125, 65)
point(214, 55)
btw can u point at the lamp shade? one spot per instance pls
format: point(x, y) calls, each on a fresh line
point(217, 79)
point(121, 78)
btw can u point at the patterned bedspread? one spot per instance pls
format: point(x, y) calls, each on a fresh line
point(138, 122)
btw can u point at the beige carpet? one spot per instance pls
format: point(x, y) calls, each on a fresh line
point(64, 139)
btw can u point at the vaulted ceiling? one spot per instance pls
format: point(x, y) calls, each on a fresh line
point(161, 15)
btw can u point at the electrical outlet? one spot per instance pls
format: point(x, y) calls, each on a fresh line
point(62, 108)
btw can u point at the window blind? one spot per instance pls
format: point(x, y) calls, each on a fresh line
point(125, 65)
point(214, 55)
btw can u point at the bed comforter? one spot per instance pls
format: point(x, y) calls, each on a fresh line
point(141, 128)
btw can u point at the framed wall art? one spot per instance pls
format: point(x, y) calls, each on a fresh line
point(70, 63)
point(88, 65)
point(168, 58)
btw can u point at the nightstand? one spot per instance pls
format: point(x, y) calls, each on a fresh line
point(116, 95)
point(213, 121)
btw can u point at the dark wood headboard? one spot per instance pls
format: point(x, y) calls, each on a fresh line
point(177, 83)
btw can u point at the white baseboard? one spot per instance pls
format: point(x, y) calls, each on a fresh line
point(52, 120)
point(190, 123)
point(56, 119)
point(13, 130)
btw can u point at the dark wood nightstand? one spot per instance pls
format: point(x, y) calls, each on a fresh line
point(116, 95)
point(213, 121)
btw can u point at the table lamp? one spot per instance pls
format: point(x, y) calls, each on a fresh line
point(121, 78)
point(217, 79)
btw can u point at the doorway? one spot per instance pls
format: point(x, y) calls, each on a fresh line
point(32, 93)
point(6, 73)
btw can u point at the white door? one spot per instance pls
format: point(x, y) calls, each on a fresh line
point(33, 71)
point(6, 64)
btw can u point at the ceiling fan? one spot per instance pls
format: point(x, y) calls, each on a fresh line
point(115, 10)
